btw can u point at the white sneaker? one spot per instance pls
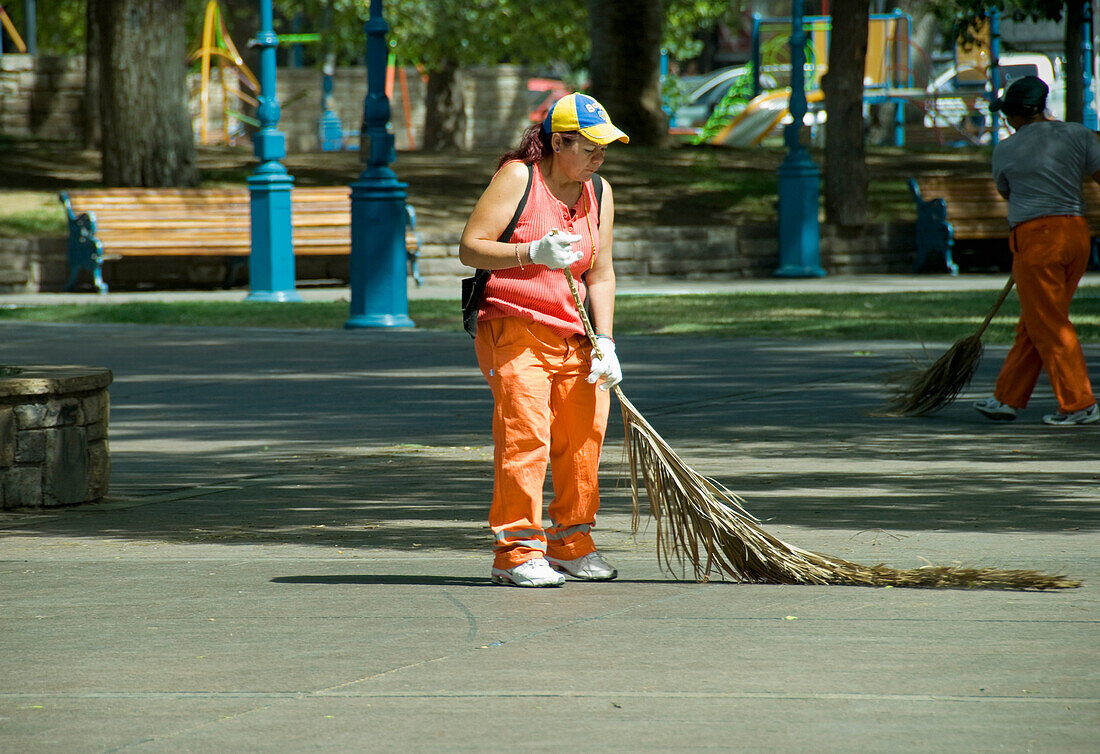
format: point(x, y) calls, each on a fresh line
point(534, 572)
point(1089, 415)
point(590, 567)
point(991, 408)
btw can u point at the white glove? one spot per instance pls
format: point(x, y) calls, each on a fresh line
point(555, 250)
point(606, 367)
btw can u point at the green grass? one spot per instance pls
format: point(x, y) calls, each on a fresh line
point(928, 317)
point(44, 221)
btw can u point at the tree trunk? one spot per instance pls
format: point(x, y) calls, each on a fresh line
point(92, 126)
point(147, 137)
point(845, 154)
point(445, 116)
point(626, 66)
point(1074, 71)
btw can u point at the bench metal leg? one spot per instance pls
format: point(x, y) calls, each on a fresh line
point(233, 267)
point(85, 255)
point(935, 235)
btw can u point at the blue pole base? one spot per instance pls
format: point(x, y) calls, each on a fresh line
point(793, 271)
point(271, 259)
point(274, 296)
point(378, 265)
point(799, 231)
point(378, 320)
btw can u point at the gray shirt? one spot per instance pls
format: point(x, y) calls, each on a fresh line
point(1041, 166)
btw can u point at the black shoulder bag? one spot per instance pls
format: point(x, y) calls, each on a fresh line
point(473, 288)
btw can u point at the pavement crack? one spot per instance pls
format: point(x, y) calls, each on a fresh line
point(465, 611)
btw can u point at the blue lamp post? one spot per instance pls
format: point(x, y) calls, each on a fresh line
point(271, 258)
point(799, 238)
point(379, 293)
point(328, 127)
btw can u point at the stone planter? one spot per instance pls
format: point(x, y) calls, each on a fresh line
point(53, 435)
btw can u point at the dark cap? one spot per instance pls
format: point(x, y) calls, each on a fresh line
point(1026, 95)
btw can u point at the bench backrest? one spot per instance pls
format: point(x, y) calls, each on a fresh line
point(151, 222)
point(977, 210)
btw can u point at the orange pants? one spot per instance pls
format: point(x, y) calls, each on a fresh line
point(1049, 256)
point(544, 410)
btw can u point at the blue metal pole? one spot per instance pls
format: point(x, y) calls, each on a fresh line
point(330, 133)
point(271, 260)
point(757, 87)
point(799, 190)
point(379, 292)
point(31, 27)
point(994, 70)
point(1090, 118)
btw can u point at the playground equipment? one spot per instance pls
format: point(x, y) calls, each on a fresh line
point(888, 73)
point(13, 33)
point(216, 44)
point(760, 117)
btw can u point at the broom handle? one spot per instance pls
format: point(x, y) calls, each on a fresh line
point(584, 319)
point(996, 306)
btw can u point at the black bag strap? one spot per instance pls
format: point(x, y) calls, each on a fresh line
point(519, 207)
point(597, 187)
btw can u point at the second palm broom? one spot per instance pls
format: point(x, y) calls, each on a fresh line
point(921, 392)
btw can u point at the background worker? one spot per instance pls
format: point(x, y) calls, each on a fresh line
point(1039, 170)
point(531, 344)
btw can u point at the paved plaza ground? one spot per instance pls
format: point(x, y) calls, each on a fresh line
point(294, 557)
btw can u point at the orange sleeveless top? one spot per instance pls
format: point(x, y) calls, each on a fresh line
point(535, 292)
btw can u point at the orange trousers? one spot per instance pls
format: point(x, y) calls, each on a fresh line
point(1049, 256)
point(544, 410)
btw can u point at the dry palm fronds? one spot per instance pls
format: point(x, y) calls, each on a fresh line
point(702, 522)
point(921, 392)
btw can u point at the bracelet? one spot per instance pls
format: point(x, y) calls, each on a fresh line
point(520, 261)
point(601, 335)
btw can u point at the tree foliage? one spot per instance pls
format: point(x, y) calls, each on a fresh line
point(965, 16)
point(59, 31)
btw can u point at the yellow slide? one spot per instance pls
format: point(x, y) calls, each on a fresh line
point(759, 117)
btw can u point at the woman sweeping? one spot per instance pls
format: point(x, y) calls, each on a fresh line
point(531, 344)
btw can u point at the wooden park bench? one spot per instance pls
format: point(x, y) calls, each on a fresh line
point(115, 223)
point(951, 208)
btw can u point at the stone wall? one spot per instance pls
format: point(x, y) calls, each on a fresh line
point(496, 98)
point(30, 265)
point(698, 253)
point(41, 97)
point(53, 436)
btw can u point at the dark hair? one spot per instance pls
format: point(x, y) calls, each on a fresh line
point(534, 146)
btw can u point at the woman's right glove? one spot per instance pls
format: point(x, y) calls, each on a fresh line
point(606, 367)
point(555, 250)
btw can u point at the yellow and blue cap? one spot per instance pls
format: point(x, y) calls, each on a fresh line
point(579, 112)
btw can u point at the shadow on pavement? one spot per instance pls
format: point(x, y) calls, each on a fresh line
point(382, 439)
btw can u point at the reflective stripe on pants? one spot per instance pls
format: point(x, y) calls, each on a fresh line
point(544, 410)
point(1049, 256)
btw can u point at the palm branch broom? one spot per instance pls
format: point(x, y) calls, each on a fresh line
point(919, 392)
point(699, 520)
